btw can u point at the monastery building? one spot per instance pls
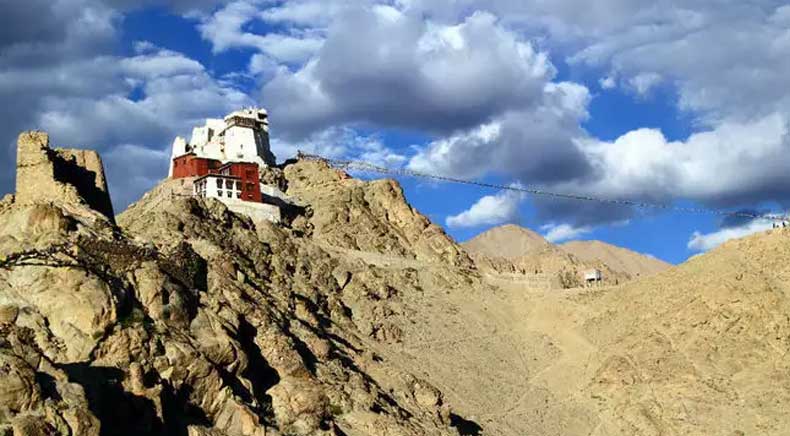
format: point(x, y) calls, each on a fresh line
point(223, 159)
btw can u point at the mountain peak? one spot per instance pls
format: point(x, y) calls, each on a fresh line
point(509, 241)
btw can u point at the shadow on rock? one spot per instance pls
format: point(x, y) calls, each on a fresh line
point(465, 427)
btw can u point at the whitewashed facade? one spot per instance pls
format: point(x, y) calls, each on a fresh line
point(593, 275)
point(217, 186)
point(242, 136)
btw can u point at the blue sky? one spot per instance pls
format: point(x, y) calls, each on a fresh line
point(683, 104)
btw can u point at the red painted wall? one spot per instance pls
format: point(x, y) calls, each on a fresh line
point(250, 179)
point(190, 165)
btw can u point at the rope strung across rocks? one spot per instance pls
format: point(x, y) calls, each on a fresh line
point(368, 167)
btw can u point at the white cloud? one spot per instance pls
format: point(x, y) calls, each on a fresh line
point(127, 182)
point(727, 61)
point(607, 82)
point(342, 143)
point(733, 163)
point(556, 233)
point(225, 30)
point(535, 145)
point(643, 83)
point(177, 94)
point(708, 241)
point(381, 66)
point(489, 210)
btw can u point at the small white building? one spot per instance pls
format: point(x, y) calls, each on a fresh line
point(218, 186)
point(228, 189)
point(242, 136)
point(593, 276)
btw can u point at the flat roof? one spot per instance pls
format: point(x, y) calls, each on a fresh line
point(219, 176)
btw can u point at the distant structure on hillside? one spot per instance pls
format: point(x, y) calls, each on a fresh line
point(224, 159)
point(593, 277)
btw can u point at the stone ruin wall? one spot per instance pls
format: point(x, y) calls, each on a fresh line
point(61, 175)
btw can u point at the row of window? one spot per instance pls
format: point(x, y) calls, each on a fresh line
point(228, 184)
point(229, 194)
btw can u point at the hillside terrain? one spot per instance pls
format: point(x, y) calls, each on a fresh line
point(358, 316)
point(508, 241)
point(617, 258)
point(513, 253)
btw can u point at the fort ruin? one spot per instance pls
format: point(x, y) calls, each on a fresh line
point(60, 175)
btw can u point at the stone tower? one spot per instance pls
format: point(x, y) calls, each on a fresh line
point(60, 175)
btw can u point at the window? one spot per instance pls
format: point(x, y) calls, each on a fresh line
point(219, 183)
point(238, 185)
point(238, 195)
point(228, 184)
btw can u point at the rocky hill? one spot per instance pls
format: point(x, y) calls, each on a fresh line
point(357, 316)
point(617, 258)
point(514, 253)
point(508, 241)
point(189, 319)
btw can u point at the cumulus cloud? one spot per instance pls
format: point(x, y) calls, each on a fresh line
point(727, 61)
point(489, 210)
point(383, 67)
point(535, 145)
point(707, 241)
point(607, 82)
point(643, 83)
point(225, 29)
point(556, 233)
point(342, 143)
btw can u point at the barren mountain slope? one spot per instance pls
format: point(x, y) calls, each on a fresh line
point(512, 252)
point(693, 350)
point(617, 258)
point(196, 321)
point(699, 349)
point(508, 240)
